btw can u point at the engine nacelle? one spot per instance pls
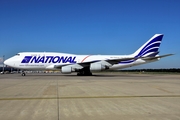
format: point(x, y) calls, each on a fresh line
point(66, 70)
point(97, 67)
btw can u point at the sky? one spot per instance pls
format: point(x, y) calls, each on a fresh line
point(113, 27)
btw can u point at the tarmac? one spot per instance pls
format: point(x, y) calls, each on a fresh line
point(104, 96)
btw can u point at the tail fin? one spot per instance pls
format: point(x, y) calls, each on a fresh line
point(150, 48)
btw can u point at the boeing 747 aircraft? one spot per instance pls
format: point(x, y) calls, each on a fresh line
point(86, 64)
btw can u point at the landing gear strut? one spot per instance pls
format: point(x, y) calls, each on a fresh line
point(84, 72)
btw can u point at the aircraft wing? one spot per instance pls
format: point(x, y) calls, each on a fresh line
point(108, 62)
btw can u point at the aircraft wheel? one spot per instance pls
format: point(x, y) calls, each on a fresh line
point(84, 73)
point(23, 74)
point(80, 73)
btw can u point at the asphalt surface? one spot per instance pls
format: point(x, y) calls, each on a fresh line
point(103, 96)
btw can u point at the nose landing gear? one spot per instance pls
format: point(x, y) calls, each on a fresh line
point(23, 73)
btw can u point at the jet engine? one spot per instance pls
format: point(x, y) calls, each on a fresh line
point(66, 70)
point(97, 67)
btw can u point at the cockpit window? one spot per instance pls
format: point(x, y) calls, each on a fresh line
point(18, 54)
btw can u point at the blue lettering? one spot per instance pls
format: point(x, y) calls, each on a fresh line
point(48, 59)
point(56, 59)
point(69, 60)
point(73, 60)
point(51, 57)
point(41, 60)
point(35, 59)
point(26, 59)
point(63, 60)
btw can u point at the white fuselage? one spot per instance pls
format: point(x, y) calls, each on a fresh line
point(47, 60)
point(85, 64)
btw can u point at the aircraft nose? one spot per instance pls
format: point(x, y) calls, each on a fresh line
point(8, 62)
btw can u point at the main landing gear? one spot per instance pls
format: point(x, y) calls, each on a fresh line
point(84, 72)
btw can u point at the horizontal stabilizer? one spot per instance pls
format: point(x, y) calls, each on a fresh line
point(156, 57)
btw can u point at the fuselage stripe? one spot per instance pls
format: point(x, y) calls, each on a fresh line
point(85, 58)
